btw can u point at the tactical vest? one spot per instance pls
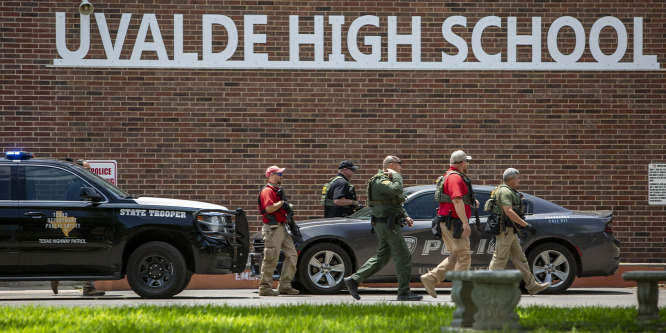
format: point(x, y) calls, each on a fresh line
point(493, 205)
point(393, 201)
point(440, 196)
point(263, 211)
point(325, 201)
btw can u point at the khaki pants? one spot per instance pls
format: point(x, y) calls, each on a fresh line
point(460, 258)
point(507, 247)
point(276, 239)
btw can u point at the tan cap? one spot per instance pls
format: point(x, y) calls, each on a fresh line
point(459, 156)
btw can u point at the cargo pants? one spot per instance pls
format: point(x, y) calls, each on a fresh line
point(508, 247)
point(276, 239)
point(459, 258)
point(391, 245)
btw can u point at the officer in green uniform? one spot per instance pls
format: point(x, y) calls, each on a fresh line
point(507, 203)
point(385, 197)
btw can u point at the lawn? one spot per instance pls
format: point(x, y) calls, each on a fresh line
point(347, 317)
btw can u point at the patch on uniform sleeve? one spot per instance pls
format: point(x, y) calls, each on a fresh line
point(386, 182)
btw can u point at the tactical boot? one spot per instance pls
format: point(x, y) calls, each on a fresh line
point(54, 286)
point(539, 287)
point(288, 291)
point(410, 297)
point(91, 291)
point(268, 292)
point(429, 285)
point(352, 286)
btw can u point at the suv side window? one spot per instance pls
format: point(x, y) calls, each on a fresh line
point(52, 184)
point(5, 182)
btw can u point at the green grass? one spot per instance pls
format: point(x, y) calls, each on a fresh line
point(347, 317)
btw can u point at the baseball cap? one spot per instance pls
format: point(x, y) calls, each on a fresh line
point(459, 156)
point(273, 169)
point(347, 165)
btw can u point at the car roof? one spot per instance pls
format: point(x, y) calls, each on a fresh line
point(431, 187)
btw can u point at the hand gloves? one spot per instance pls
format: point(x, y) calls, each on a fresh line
point(530, 228)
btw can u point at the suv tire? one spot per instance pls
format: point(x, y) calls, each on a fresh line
point(157, 270)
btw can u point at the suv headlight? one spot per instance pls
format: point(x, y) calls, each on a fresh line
point(215, 222)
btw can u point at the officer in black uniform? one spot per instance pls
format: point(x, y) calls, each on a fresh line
point(340, 197)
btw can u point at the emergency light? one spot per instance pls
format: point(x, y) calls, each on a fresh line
point(19, 155)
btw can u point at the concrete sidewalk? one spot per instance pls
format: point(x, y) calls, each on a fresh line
point(39, 293)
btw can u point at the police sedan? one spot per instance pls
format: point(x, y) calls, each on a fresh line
point(568, 244)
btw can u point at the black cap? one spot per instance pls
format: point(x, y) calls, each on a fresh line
point(347, 165)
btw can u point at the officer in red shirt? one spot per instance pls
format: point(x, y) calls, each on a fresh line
point(276, 237)
point(455, 201)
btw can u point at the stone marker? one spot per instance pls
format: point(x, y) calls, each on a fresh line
point(496, 294)
point(647, 292)
point(461, 292)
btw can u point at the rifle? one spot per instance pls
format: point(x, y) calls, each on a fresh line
point(475, 209)
point(293, 227)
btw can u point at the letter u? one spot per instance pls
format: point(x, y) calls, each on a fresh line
point(61, 37)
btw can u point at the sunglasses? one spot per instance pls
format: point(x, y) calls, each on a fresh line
point(278, 173)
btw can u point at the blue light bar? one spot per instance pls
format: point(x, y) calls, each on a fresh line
point(19, 155)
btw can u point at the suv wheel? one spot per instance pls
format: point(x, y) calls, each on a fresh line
point(157, 270)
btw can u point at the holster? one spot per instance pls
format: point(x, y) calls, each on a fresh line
point(447, 221)
point(393, 220)
point(457, 227)
point(273, 223)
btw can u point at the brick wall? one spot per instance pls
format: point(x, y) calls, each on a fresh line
point(582, 139)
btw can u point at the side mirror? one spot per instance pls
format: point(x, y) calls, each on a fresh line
point(90, 194)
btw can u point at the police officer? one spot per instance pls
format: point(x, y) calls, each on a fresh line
point(340, 198)
point(455, 203)
point(508, 204)
point(276, 237)
point(385, 197)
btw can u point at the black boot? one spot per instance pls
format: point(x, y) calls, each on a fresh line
point(410, 297)
point(352, 286)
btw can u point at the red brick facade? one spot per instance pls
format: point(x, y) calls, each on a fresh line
point(581, 138)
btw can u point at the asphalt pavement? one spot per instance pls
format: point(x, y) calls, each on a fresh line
point(39, 293)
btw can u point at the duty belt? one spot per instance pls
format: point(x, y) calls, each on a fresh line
point(392, 201)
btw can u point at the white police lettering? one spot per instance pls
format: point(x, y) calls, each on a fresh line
point(149, 24)
point(166, 213)
point(132, 212)
point(557, 219)
point(433, 246)
point(152, 213)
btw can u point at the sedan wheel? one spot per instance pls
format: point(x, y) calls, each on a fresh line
point(322, 268)
point(553, 263)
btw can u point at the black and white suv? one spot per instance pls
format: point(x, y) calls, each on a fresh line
point(59, 221)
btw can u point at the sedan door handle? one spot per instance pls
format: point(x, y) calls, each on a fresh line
point(34, 214)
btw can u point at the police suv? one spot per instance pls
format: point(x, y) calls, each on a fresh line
point(59, 221)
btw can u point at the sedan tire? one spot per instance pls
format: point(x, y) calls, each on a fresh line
point(554, 263)
point(322, 268)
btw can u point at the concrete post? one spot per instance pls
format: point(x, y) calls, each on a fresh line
point(647, 292)
point(496, 294)
point(461, 292)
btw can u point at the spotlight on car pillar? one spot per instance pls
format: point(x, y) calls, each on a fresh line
point(86, 8)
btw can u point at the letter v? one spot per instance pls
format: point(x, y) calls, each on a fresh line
point(113, 51)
